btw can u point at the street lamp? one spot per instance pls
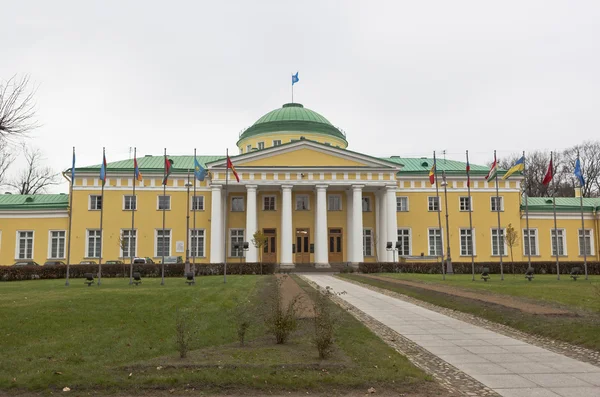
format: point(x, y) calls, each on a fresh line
point(390, 247)
point(240, 247)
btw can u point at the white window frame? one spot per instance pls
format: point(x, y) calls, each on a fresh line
point(369, 205)
point(591, 245)
point(564, 241)
point(260, 145)
point(238, 254)
point(409, 241)
point(18, 239)
point(97, 197)
point(269, 196)
point(200, 199)
point(505, 249)
point(87, 243)
point(501, 198)
point(50, 256)
point(238, 198)
point(125, 196)
point(276, 142)
point(399, 203)
point(248, 148)
point(156, 231)
point(463, 208)
point(203, 246)
point(536, 240)
point(431, 200)
point(307, 202)
point(135, 245)
point(338, 197)
point(158, 202)
point(429, 242)
point(370, 237)
point(460, 230)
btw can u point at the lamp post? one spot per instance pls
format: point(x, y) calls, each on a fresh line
point(390, 247)
point(241, 247)
point(187, 226)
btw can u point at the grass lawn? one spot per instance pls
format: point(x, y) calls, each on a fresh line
point(581, 328)
point(93, 338)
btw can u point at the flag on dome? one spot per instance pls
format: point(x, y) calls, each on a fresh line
point(518, 166)
point(230, 165)
point(295, 78)
point(549, 173)
point(492, 172)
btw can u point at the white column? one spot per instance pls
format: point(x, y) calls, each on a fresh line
point(286, 226)
point(349, 227)
point(321, 253)
point(251, 223)
point(391, 217)
point(383, 239)
point(216, 225)
point(357, 223)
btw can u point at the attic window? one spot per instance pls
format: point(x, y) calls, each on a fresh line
point(425, 164)
point(548, 201)
point(29, 200)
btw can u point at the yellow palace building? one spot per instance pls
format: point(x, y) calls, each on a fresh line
point(316, 201)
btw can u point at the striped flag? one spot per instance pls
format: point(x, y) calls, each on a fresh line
point(493, 171)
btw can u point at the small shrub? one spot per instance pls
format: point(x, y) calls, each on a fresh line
point(183, 332)
point(243, 317)
point(324, 324)
point(281, 321)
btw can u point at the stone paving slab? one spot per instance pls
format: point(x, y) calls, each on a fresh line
point(501, 367)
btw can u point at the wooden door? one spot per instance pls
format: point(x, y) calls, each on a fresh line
point(269, 254)
point(335, 245)
point(302, 246)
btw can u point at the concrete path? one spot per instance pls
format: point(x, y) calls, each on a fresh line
point(509, 366)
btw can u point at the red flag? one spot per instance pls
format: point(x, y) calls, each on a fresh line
point(230, 165)
point(432, 174)
point(468, 175)
point(549, 174)
point(168, 164)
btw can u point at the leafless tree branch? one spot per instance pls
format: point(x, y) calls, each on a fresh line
point(35, 178)
point(6, 158)
point(17, 108)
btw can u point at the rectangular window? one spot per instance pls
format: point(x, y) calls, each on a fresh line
point(367, 242)
point(94, 242)
point(57, 244)
point(197, 203)
point(404, 238)
point(401, 204)
point(497, 203)
point(128, 243)
point(560, 233)
point(585, 240)
point(302, 203)
point(129, 203)
point(95, 202)
point(277, 142)
point(163, 242)
point(261, 145)
point(334, 202)
point(366, 204)
point(268, 203)
point(248, 148)
point(433, 203)
point(464, 204)
point(530, 240)
point(498, 243)
point(197, 243)
point(164, 202)
point(236, 236)
point(25, 245)
point(435, 242)
point(466, 242)
point(237, 204)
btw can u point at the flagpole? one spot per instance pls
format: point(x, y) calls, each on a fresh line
point(554, 210)
point(500, 234)
point(70, 217)
point(439, 211)
point(470, 219)
point(162, 264)
point(582, 221)
point(292, 88)
point(187, 224)
point(131, 253)
point(225, 217)
point(526, 212)
point(194, 223)
point(101, 218)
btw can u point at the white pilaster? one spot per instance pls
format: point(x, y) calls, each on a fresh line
point(349, 227)
point(286, 226)
point(357, 223)
point(216, 225)
point(251, 223)
point(391, 217)
point(321, 255)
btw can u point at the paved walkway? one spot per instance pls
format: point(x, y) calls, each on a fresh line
point(510, 367)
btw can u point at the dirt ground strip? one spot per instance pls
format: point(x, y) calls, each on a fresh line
point(507, 301)
point(290, 290)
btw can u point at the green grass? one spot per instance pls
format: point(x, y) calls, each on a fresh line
point(580, 329)
point(92, 338)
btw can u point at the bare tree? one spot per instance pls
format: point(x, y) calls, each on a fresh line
point(35, 178)
point(589, 155)
point(6, 159)
point(17, 108)
point(511, 239)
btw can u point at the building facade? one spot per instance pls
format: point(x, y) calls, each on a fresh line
point(315, 201)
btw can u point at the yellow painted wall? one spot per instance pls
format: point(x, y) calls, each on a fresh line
point(41, 228)
point(302, 157)
point(287, 137)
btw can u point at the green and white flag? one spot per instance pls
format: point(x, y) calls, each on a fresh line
point(493, 170)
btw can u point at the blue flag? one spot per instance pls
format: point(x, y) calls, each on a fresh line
point(103, 170)
point(578, 173)
point(199, 171)
point(295, 78)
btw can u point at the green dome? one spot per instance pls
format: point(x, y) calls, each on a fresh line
point(293, 117)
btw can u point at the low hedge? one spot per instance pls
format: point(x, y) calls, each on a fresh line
point(545, 267)
point(11, 273)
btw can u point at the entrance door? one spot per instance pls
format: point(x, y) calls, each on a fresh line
point(302, 246)
point(270, 248)
point(335, 245)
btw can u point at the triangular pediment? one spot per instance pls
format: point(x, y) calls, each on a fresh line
point(306, 153)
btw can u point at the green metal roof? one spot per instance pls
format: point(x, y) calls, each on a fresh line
point(293, 117)
point(153, 164)
point(33, 201)
point(422, 165)
point(563, 204)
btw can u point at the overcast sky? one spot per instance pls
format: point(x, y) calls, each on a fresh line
point(399, 77)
